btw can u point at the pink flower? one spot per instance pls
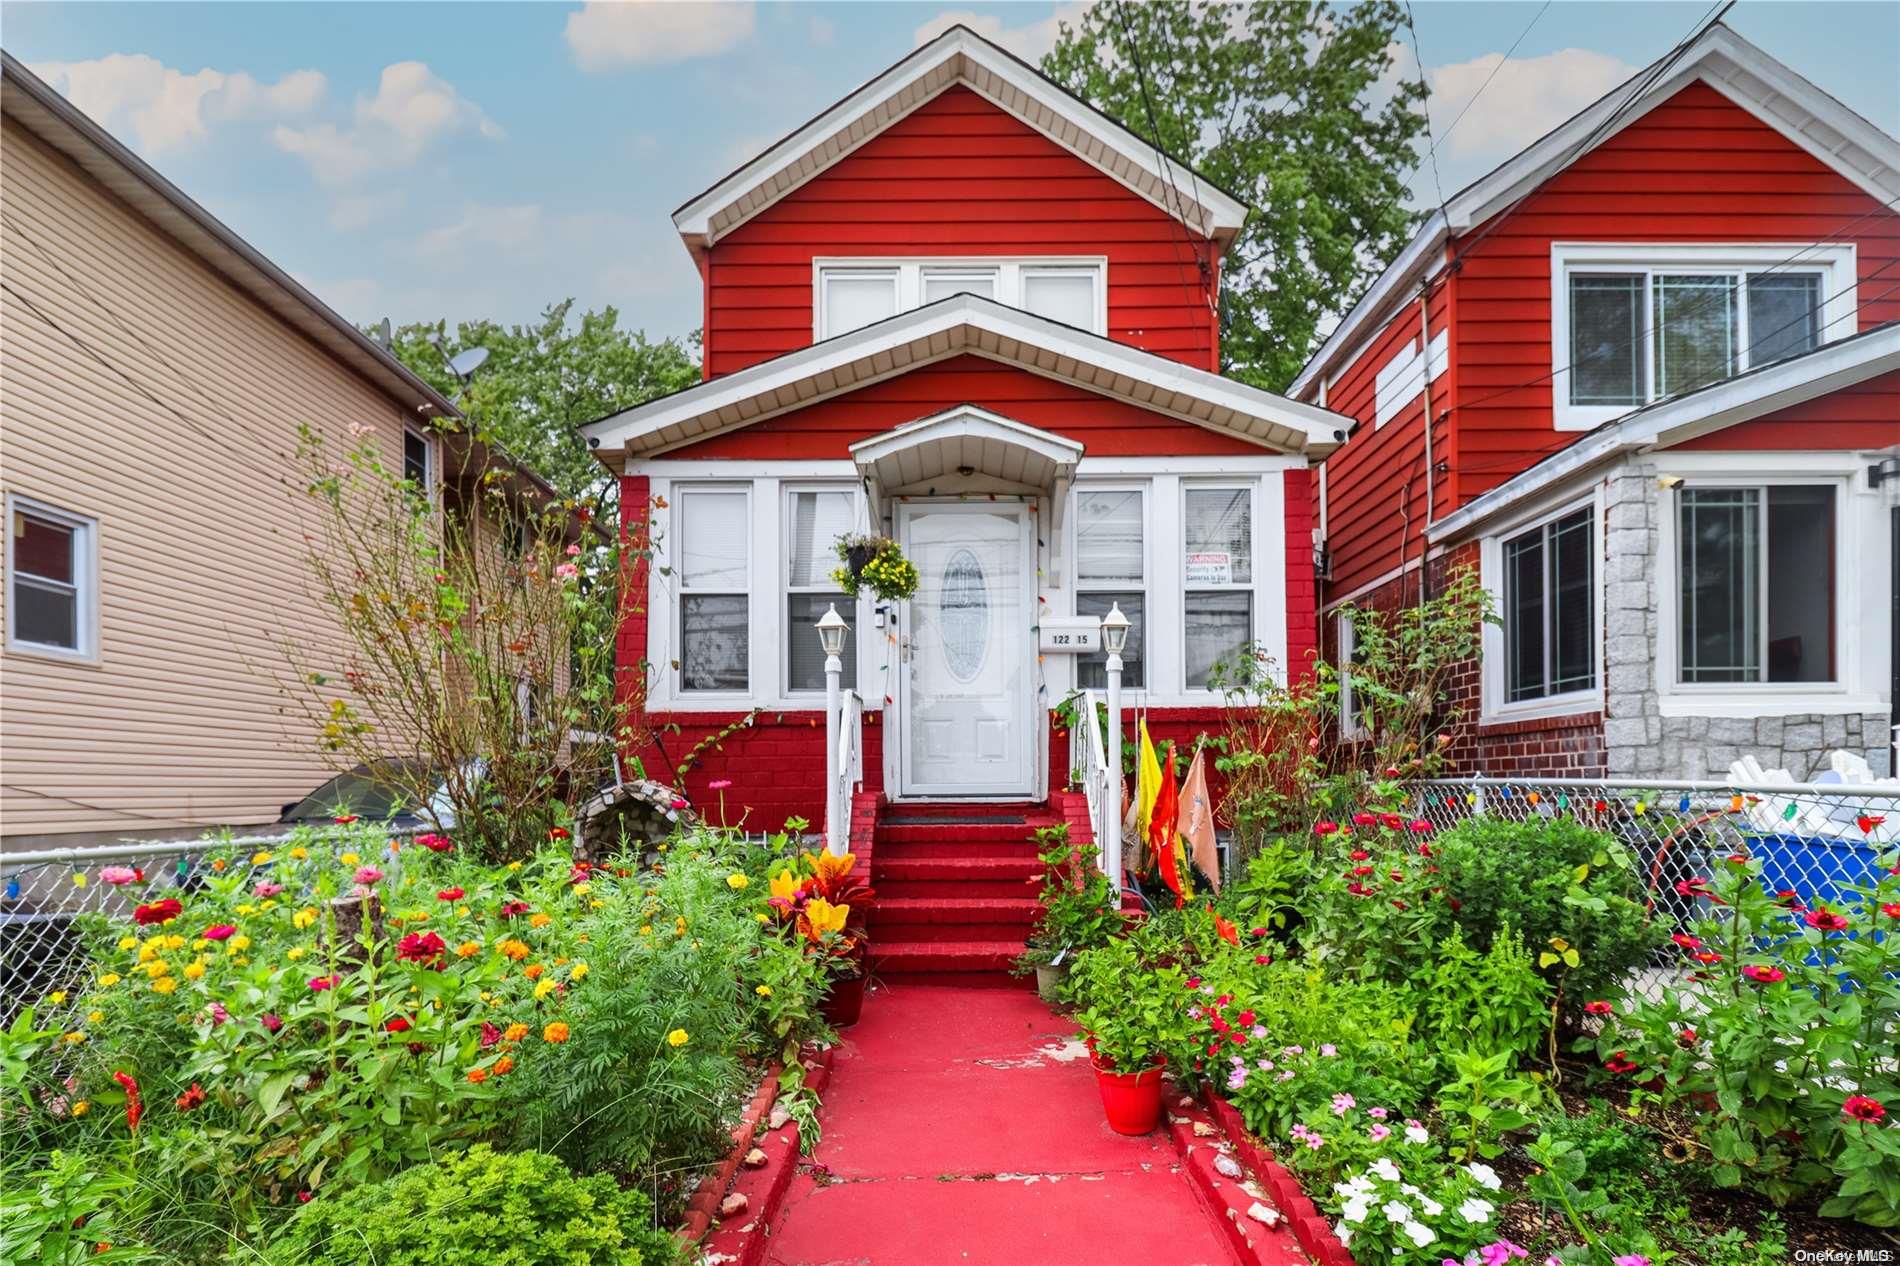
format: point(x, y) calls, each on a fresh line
point(1599, 1007)
point(1764, 975)
point(1380, 1133)
point(680, 802)
point(1501, 1252)
point(1419, 826)
point(434, 843)
point(319, 984)
point(219, 932)
point(1325, 828)
point(573, 551)
point(118, 876)
point(367, 875)
point(567, 571)
point(719, 784)
point(1377, 1114)
point(271, 1022)
point(1364, 819)
point(265, 888)
point(1342, 1104)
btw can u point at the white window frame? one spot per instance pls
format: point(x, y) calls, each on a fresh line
point(676, 609)
point(1854, 687)
point(1146, 586)
point(85, 530)
point(788, 496)
point(430, 475)
point(1257, 633)
point(1495, 705)
point(1835, 263)
point(908, 273)
point(1352, 727)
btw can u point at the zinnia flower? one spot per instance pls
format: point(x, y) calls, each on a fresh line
point(1686, 941)
point(1826, 920)
point(1598, 1007)
point(118, 876)
point(513, 909)
point(1861, 1108)
point(157, 911)
point(396, 1024)
point(1325, 828)
point(434, 843)
point(271, 1022)
point(450, 894)
point(265, 888)
point(219, 932)
point(1764, 975)
point(191, 1098)
point(490, 1034)
point(367, 875)
point(559, 833)
point(319, 984)
point(1891, 909)
point(344, 819)
point(1620, 1063)
point(421, 947)
point(1630, 1259)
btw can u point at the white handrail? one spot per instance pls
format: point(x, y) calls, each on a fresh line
point(844, 772)
point(1088, 765)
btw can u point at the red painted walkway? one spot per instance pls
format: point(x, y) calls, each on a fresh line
point(963, 1126)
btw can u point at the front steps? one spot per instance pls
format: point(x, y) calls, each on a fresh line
point(956, 892)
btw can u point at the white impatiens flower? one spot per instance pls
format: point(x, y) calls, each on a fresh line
point(1475, 1210)
point(1432, 1207)
point(1418, 1233)
point(1397, 1211)
point(1344, 1234)
point(1487, 1177)
point(1354, 1211)
point(1385, 1169)
point(1416, 1134)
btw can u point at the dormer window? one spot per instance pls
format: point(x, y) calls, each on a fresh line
point(849, 294)
point(1631, 324)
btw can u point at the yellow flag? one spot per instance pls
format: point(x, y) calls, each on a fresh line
point(1147, 782)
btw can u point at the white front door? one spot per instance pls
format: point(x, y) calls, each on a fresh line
point(966, 687)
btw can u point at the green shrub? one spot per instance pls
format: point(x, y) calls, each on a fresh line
point(1492, 1002)
point(1132, 1011)
point(1080, 908)
point(1550, 878)
point(478, 1208)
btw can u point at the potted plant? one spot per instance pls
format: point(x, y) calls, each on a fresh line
point(1132, 1017)
point(1079, 910)
point(824, 905)
point(874, 562)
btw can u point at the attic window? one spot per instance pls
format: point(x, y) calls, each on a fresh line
point(851, 294)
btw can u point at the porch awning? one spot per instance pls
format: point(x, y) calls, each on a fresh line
point(965, 449)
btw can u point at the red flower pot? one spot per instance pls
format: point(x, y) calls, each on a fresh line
point(845, 1002)
point(1131, 1100)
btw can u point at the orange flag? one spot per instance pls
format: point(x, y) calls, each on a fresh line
point(1161, 831)
point(1196, 824)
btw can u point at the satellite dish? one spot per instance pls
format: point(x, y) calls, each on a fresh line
point(384, 334)
point(465, 363)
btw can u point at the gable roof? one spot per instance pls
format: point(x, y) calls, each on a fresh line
point(1807, 116)
point(30, 102)
point(966, 324)
point(1756, 393)
point(961, 56)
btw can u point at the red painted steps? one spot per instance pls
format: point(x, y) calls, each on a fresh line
point(956, 891)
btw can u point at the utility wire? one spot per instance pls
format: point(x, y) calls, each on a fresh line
point(1161, 158)
point(1446, 134)
point(1431, 142)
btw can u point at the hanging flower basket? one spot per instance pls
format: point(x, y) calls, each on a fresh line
point(874, 563)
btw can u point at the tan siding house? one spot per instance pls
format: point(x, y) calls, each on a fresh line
point(153, 373)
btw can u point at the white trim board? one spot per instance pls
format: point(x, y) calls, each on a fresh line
point(959, 56)
point(1756, 82)
point(967, 325)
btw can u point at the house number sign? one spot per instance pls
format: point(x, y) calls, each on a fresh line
point(1070, 634)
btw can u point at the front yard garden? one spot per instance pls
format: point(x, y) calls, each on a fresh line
point(345, 1050)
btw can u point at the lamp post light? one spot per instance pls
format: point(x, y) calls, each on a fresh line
point(1114, 641)
point(831, 632)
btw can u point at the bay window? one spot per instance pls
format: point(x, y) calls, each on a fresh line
point(815, 519)
point(712, 537)
point(1549, 608)
point(52, 580)
point(1110, 569)
point(1217, 577)
point(1634, 324)
point(1756, 584)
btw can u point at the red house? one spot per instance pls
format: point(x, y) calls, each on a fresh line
point(967, 310)
point(1645, 377)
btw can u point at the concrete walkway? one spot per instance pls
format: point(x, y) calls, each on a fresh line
point(963, 1126)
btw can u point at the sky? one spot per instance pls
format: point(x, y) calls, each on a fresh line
point(465, 160)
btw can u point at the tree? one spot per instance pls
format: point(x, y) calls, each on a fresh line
point(543, 381)
point(1289, 106)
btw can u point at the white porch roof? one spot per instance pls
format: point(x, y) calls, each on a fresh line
point(966, 443)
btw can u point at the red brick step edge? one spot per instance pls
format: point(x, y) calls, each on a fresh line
point(740, 1240)
point(1309, 1227)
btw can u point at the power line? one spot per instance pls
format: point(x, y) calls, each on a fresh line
point(1431, 142)
point(1446, 134)
point(1161, 159)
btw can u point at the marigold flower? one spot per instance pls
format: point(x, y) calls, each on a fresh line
point(515, 1032)
point(304, 918)
point(517, 950)
point(540, 920)
point(503, 1065)
point(578, 971)
point(217, 863)
point(737, 880)
point(764, 991)
point(299, 854)
point(195, 969)
point(349, 859)
point(238, 945)
point(467, 949)
point(533, 971)
point(556, 1032)
point(1862, 1108)
point(295, 952)
point(81, 1108)
point(128, 942)
point(478, 1075)
point(677, 1038)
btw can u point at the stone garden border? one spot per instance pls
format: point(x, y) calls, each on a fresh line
point(1302, 1218)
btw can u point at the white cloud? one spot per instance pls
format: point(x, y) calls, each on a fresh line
point(411, 109)
point(606, 36)
point(164, 108)
point(1528, 97)
point(485, 227)
point(1028, 42)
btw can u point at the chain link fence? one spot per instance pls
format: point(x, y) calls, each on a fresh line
point(1817, 841)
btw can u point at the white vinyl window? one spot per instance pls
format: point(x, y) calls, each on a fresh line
point(814, 520)
point(1549, 608)
point(711, 543)
point(1351, 727)
point(418, 459)
point(1635, 324)
point(1217, 575)
point(851, 294)
point(1111, 567)
point(52, 563)
point(1755, 581)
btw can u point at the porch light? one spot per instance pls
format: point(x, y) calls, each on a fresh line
point(1885, 475)
point(831, 630)
point(1114, 630)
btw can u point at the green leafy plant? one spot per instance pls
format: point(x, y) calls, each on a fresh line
point(1270, 890)
point(1485, 1100)
point(1377, 903)
point(1560, 1182)
point(522, 1208)
point(876, 563)
point(1130, 1012)
point(1496, 1001)
point(1081, 910)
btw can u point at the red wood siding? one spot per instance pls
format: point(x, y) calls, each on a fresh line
point(1696, 168)
point(957, 176)
point(1368, 478)
point(1866, 415)
point(1105, 427)
point(1302, 588)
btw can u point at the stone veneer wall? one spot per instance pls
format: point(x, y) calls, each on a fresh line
point(1641, 742)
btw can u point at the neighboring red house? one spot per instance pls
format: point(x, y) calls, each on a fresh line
point(1664, 401)
point(963, 308)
